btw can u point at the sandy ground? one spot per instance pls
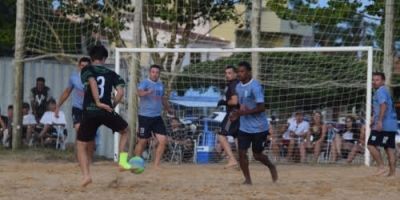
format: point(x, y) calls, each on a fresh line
point(59, 180)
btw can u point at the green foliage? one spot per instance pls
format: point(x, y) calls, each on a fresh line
point(339, 23)
point(7, 26)
point(292, 80)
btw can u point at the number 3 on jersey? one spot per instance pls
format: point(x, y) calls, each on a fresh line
point(100, 83)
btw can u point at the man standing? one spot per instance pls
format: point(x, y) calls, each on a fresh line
point(98, 110)
point(253, 122)
point(152, 101)
point(384, 126)
point(229, 128)
point(39, 96)
point(76, 88)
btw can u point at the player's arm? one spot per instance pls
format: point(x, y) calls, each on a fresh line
point(382, 109)
point(118, 97)
point(95, 94)
point(33, 102)
point(142, 92)
point(258, 109)
point(2, 124)
point(233, 101)
point(64, 96)
point(143, 89)
point(323, 133)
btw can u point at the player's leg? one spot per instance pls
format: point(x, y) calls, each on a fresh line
point(244, 142)
point(223, 140)
point(160, 132)
point(162, 143)
point(144, 135)
point(84, 162)
point(353, 153)
point(302, 149)
point(374, 141)
point(317, 150)
point(390, 152)
point(117, 124)
point(291, 145)
point(389, 144)
point(257, 148)
point(85, 134)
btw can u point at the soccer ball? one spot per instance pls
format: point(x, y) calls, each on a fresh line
point(138, 164)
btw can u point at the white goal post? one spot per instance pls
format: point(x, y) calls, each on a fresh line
point(367, 52)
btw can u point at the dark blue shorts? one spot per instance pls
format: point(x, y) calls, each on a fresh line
point(151, 125)
point(256, 140)
point(383, 139)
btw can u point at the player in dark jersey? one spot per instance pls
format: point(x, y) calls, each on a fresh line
point(98, 109)
point(229, 128)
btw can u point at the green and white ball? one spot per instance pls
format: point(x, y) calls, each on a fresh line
point(137, 164)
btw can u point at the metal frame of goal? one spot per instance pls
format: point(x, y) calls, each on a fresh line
point(368, 50)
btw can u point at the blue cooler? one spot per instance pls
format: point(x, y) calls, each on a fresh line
point(206, 146)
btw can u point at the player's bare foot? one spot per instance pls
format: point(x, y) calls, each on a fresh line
point(157, 167)
point(391, 174)
point(274, 173)
point(230, 164)
point(381, 171)
point(247, 182)
point(86, 181)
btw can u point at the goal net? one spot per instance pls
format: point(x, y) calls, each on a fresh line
point(332, 81)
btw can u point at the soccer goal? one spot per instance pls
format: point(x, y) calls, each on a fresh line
point(335, 81)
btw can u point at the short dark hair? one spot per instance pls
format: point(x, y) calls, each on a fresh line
point(98, 52)
point(155, 66)
point(26, 105)
point(245, 65)
point(381, 74)
point(51, 101)
point(84, 59)
point(231, 67)
point(10, 107)
point(40, 79)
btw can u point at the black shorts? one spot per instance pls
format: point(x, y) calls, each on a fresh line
point(92, 120)
point(151, 125)
point(76, 115)
point(256, 140)
point(383, 139)
point(231, 128)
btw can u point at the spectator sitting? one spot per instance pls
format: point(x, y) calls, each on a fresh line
point(28, 123)
point(2, 125)
point(48, 120)
point(317, 134)
point(358, 146)
point(346, 138)
point(39, 96)
point(7, 133)
point(296, 133)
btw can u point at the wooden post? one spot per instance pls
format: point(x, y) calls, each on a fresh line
point(388, 58)
point(134, 68)
point(18, 75)
point(255, 35)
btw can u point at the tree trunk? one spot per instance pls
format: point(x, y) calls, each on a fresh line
point(133, 75)
point(18, 75)
point(388, 42)
point(255, 35)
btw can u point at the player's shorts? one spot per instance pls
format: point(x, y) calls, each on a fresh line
point(229, 128)
point(92, 120)
point(255, 140)
point(76, 115)
point(151, 125)
point(383, 139)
